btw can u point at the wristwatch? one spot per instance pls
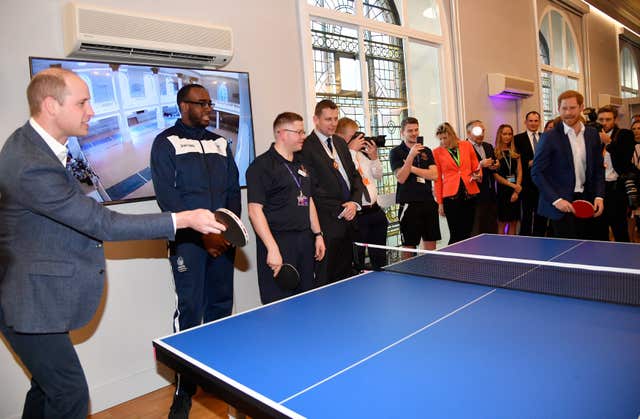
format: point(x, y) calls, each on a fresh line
point(318, 234)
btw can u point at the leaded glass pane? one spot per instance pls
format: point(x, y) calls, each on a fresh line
point(382, 11)
point(572, 54)
point(344, 6)
point(556, 40)
point(424, 15)
point(628, 70)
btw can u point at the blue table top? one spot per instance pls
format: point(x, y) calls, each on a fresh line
point(386, 345)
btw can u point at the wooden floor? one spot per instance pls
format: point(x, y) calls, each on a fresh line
point(156, 405)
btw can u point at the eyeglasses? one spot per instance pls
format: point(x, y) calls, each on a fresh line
point(299, 132)
point(202, 103)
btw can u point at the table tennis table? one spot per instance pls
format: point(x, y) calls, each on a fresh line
point(397, 345)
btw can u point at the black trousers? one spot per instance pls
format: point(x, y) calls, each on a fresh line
point(571, 227)
point(58, 385)
point(296, 248)
point(371, 227)
point(615, 213)
point(532, 223)
point(337, 263)
point(460, 215)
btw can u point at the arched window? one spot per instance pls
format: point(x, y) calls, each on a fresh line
point(628, 73)
point(558, 60)
point(362, 59)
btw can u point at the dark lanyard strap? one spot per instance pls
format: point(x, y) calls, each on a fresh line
point(295, 179)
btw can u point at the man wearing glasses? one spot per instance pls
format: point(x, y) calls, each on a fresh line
point(191, 168)
point(282, 211)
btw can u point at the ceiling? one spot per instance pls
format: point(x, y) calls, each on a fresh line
point(626, 12)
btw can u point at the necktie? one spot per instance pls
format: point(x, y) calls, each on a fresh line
point(535, 141)
point(329, 144)
point(68, 163)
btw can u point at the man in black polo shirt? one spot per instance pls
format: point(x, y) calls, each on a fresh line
point(282, 211)
point(415, 168)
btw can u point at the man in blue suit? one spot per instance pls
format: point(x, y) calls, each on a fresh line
point(568, 165)
point(51, 258)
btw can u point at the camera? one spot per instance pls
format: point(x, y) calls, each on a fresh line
point(378, 140)
point(630, 182)
point(591, 116)
point(420, 139)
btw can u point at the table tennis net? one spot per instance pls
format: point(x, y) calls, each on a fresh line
point(614, 285)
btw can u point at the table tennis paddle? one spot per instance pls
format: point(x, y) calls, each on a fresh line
point(236, 233)
point(583, 209)
point(288, 278)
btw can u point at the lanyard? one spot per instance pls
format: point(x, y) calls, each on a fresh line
point(454, 155)
point(507, 162)
point(295, 179)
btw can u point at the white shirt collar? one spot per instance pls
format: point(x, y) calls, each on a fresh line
point(567, 128)
point(58, 149)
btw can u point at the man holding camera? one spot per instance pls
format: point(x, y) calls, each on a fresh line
point(568, 166)
point(415, 168)
point(371, 221)
point(619, 145)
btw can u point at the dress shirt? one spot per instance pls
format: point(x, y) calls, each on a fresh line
point(579, 152)
point(530, 135)
point(371, 172)
point(479, 149)
point(334, 155)
point(60, 150)
point(610, 173)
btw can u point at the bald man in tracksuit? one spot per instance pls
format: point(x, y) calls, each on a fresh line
point(192, 167)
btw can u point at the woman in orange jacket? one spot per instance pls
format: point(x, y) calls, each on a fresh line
point(455, 186)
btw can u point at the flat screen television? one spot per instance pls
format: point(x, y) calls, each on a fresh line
point(135, 102)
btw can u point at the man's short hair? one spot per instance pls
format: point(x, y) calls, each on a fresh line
point(184, 91)
point(408, 120)
point(569, 94)
point(285, 118)
point(609, 108)
point(324, 104)
point(470, 124)
point(344, 123)
point(47, 83)
point(531, 113)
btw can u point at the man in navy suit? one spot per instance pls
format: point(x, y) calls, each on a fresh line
point(337, 188)
point(568, 165)
point(51, 258)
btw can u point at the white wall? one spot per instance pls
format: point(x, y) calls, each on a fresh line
point(497, 36)
point(115, 349)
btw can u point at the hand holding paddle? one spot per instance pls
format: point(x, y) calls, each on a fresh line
point(215, 244)
point(583, 209)
point(235, 232)
point(287, 277)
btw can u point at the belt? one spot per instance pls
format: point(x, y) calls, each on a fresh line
point(368, 208)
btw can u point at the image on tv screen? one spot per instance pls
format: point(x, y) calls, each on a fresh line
point(135, 102)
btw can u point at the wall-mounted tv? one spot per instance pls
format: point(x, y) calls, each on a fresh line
point(135, 102)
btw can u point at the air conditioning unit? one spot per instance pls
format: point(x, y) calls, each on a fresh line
point(604, 100)
point(509, 87)
point(92, 32)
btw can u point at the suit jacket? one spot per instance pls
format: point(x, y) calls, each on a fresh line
point(621, 149)
point(51, 257)
point(488, 184)
point(554, 174)
point(449, 174)
point(524, 148)
point(326, 188)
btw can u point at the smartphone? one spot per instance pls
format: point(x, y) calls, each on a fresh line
point(420, 139)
